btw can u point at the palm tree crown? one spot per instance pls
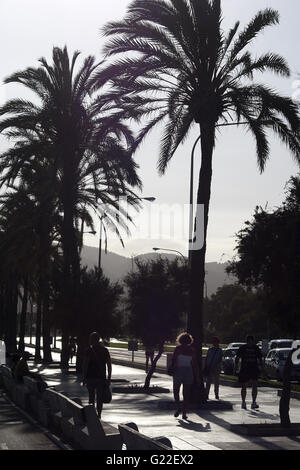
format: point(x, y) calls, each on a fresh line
point(181, 68)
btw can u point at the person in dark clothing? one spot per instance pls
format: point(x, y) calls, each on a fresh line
point(213, 366)
point(251, 359)
point(22, 370)
point(149, 353)
point(72, 348)
point(96, 360)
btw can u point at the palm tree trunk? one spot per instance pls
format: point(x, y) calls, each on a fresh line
point(37, 356)
point(197, 256)
point(47, 356)
point(71, 259)
point(11, 305)
point(23, 316)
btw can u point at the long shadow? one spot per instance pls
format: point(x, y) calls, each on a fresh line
point(192, 426)
point(261, 414)
point(254, 440)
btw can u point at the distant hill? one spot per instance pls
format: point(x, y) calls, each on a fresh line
point(115, 267)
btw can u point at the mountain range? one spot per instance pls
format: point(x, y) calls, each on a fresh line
point(115, 267)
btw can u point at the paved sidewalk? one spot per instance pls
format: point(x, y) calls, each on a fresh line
point(204, 430)
point(18, 433)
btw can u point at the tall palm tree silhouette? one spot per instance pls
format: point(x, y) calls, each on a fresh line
point(87, 145)
point(175, 66)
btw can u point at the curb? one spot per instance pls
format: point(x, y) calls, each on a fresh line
point(265, 429)
point(295, 395)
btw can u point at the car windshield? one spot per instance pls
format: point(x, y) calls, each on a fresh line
point(281, 344)
point(283, 354)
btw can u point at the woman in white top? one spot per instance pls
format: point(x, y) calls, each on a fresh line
point(185, 371)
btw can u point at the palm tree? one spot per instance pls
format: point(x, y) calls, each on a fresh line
point(175, 66)
point(81, 138)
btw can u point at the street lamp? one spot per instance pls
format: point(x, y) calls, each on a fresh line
point(191, 222)
point(168, 249)
point(100, 241)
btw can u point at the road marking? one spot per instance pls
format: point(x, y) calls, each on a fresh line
point(3, 446)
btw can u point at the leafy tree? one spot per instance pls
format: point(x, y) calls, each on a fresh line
point(269, 258)
point(156, 303)
point(175, 66)
point(96, 308)
point(233, 312)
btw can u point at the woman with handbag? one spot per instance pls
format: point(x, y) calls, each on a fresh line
point(184, 370)
point(97, 359)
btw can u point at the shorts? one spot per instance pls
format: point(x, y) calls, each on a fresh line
point(183, 376)
point(248, 374)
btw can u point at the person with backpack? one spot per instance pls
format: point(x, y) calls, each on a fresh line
point(212, 367)
point(97, 362)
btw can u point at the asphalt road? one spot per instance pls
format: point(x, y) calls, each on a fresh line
point(16, 433)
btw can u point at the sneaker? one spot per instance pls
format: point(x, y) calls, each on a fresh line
point(177, 413)
point(254, 406)
point(184, 417)
point(217, 397)
point(244, 406)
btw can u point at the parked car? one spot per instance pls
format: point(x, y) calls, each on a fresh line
point(229, 359)
point(275, 361)
point(234, 345)
point(280, 343)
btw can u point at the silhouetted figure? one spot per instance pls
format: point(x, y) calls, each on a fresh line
point(251, 358)
point(212, 366)
point(149, 353)
point(12, 360)
point(96, 360)
point(22, 370)
point(185, 371)
point(72, 349)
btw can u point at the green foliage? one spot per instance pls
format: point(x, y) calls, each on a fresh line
point(157, 300)
point(269, 258)
point(94, 309)
point(234, 312)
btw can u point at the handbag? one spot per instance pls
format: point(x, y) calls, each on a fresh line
point(107, 394)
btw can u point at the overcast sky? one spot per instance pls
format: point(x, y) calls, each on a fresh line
point(30, 28)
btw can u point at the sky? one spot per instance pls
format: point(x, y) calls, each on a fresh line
point(29, 29)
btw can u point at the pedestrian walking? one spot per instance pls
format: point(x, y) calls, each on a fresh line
point(96, 364)
point(185, 372)
point(72, 349)
point(251, 360)
point(212, 367)
point(149, 353)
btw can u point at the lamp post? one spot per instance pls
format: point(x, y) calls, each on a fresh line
point(100, 241)
point(191, 222)
point(168, 249)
